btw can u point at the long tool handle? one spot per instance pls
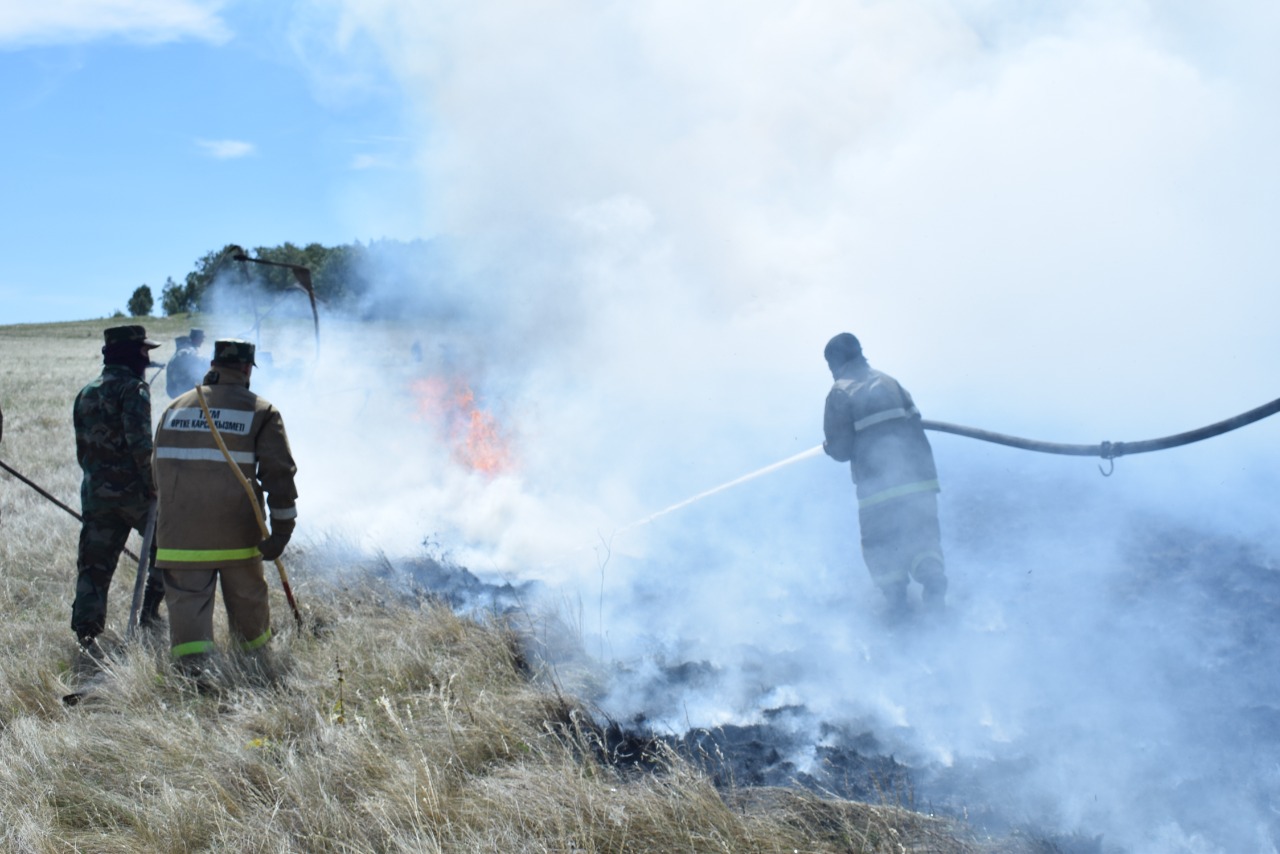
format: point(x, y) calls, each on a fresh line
point(20, 476)
point(144, 567)
point(253, 501)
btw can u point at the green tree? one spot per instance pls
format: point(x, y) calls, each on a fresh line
point(173, 298)
point(141, 303)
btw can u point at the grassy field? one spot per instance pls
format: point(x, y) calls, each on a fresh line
point(381, 726)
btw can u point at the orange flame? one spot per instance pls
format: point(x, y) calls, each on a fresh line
point(478, 441)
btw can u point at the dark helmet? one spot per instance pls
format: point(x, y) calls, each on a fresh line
point(233, 352)
point(841, 349)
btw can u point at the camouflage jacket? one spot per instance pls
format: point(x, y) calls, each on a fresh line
point(112, 417)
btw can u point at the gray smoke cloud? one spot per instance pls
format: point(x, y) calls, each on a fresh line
point(1049, 220)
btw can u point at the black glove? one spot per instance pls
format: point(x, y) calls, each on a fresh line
point(273, 546)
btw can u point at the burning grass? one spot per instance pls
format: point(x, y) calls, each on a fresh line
point(383, 726)
point(478, 441)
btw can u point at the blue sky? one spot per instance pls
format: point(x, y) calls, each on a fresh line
point(139, 136)
point(1091, 186)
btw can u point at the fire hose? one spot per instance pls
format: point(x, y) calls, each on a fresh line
point(1106, 450)
point(1111, 450)
point(253, 501)
point(38, 489)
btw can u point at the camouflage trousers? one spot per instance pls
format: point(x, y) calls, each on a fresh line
point(103, 534)
point(901, 540)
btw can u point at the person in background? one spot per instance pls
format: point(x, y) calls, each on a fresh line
point(112, 417)
point(871, 422)
point(208, 529)
point(186, 368)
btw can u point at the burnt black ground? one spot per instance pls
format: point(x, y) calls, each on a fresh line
point(1204, 602)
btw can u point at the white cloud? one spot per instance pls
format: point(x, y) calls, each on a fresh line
point(371, 161)
point(226, 149)
point(77, 21)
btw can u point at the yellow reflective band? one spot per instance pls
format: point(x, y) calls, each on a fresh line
point(885, 415)
point(923, 556)
point(898, 492)
point(191, 648)
point(206, 555)
point(259, 641)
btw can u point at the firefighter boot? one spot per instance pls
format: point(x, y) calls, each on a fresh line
point(91, 654)
point(895, 602)
point(934, 595)
point(933, 578)
point(203, 672)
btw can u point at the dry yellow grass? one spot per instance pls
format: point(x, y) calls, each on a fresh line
point(382, 727)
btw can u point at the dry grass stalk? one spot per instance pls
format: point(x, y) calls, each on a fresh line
point(441, 742)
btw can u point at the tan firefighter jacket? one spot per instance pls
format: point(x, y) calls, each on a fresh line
point(205, 519)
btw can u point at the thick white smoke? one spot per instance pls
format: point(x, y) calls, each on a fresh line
point(1050, 220)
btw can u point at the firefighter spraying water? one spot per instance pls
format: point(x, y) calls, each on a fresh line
point(871, 422)
point(862, 407)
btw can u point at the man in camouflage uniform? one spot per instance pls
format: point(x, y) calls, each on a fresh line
point(186, 368)
point(208, 532)
point(112, 418)
point(871, 422)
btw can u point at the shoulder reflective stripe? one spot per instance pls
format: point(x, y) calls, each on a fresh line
point(284, 512)
point(898, 492)
point(191, 648)
point(247, 458)
point(260, 641)
point(886, 415)
point(205, 555)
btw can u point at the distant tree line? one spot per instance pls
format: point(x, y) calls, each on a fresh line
point(341, 275)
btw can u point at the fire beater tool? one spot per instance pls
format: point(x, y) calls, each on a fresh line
point(144, 565)
point(253, 502)
point(301, 274)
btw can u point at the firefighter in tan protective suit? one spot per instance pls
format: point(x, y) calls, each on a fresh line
point(872, 423)
point(207, 529)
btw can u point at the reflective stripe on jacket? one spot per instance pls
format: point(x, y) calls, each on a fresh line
point(872, 423)
point(205, 517)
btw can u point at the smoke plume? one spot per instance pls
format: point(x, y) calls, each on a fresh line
point(1049, 220)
